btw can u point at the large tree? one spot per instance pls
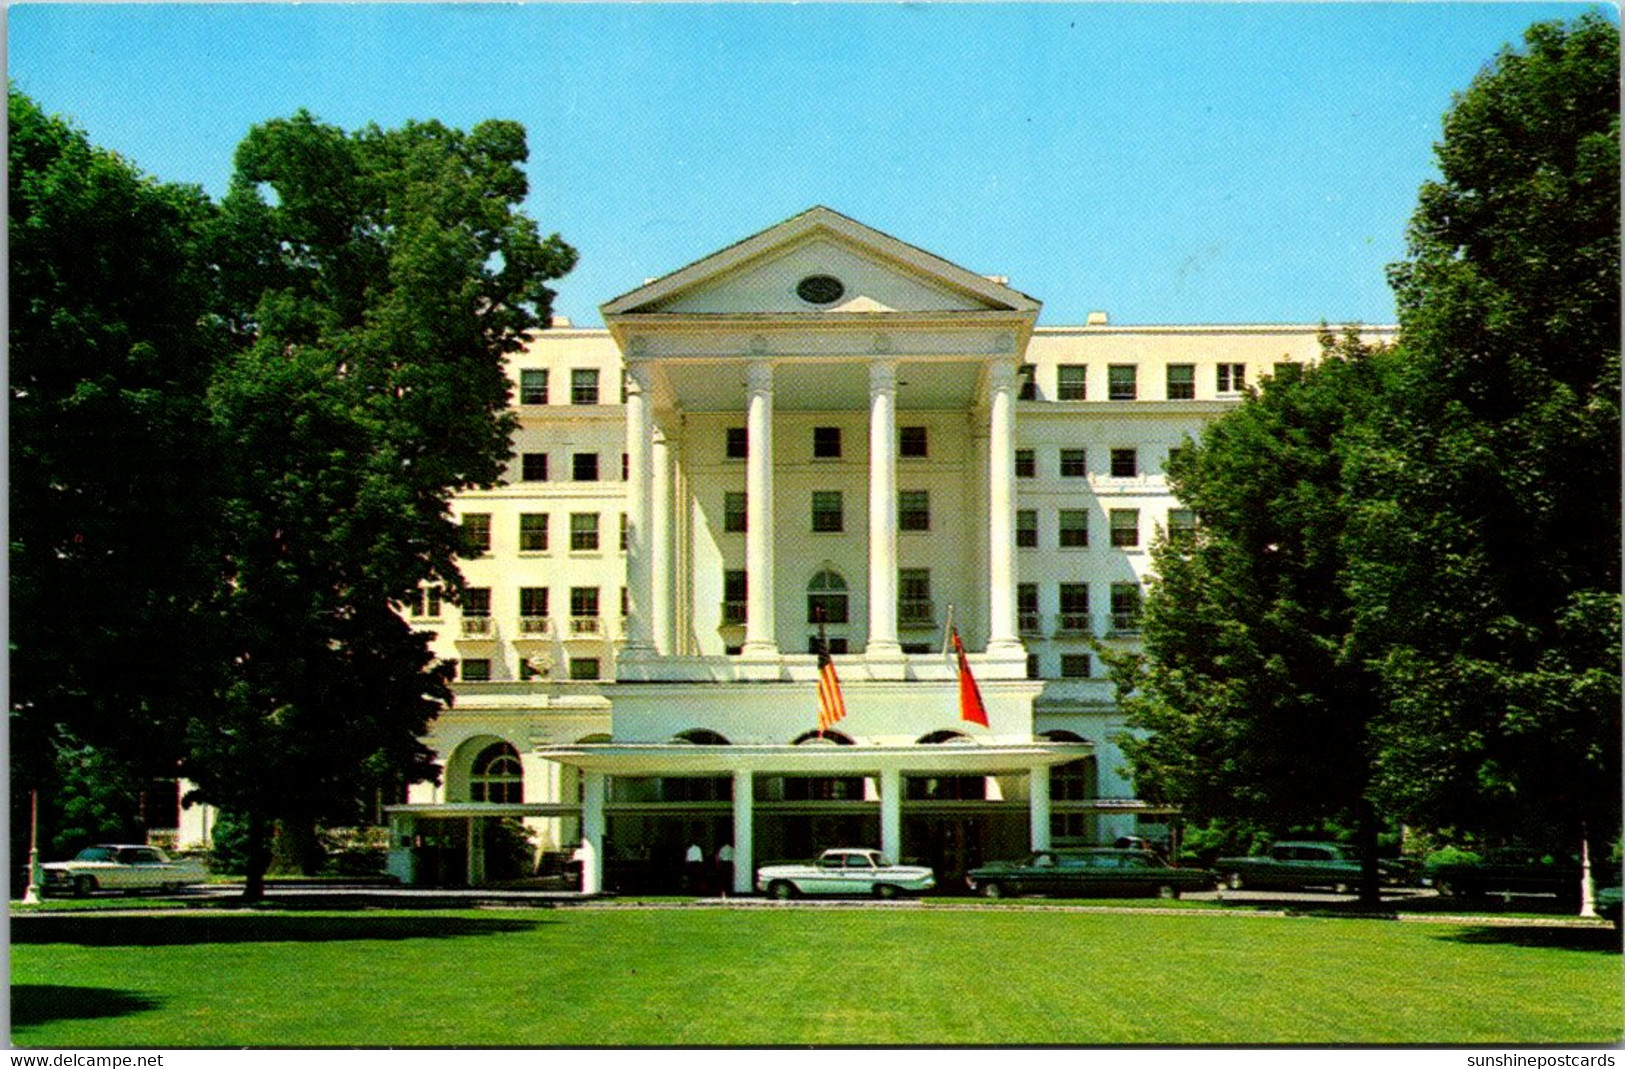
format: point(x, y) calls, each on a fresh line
point(111, 349)
point(1253, 695)
point(1487, 548)
point(375, 282)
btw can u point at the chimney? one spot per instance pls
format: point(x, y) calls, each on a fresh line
point(1097, 319)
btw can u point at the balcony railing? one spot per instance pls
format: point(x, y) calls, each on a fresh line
point(477, 626)
point(1027, 623)
point(1126, 623)
point(1072, 623)
point(916, 612)
point(733, 612)
point(585, 625)
point(535, 625)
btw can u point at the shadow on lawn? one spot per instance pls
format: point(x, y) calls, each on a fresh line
point(88, 929)
point(1594, 940)
point(34, 1004)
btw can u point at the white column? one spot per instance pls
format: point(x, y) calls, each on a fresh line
point(592, 832)
point(1038, 805)
point(744, 831)
point(883, 645)
point(761, 635)
point(662, 633)
point(1001, 509)
point(891, 814)
point(639, 512)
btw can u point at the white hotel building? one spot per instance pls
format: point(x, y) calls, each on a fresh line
point(820, 419)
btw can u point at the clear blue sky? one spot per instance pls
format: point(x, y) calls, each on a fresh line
point(1168, 163)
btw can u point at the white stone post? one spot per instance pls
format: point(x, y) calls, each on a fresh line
point(744, 832)
point(639, 511)
point(891, 814)
point(661, 602)
point(883, 645)
point(761, 634)
point(1038, 805)
point(1001, 456)
point(592, 833)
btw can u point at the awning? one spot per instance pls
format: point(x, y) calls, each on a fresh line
point(690, 759)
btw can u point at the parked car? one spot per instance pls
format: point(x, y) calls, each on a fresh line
point(844, 871)
point(1087, 874)
point(1297, 866)
point(120, 868)
point(1507, 870)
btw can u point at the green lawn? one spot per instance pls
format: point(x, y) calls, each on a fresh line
point(823, 976)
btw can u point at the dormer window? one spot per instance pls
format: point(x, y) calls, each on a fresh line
point(820, 289)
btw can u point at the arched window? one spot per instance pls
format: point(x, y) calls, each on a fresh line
point(832, 737)
point(702, 737)
point(944, 788)
point(826, 598)
point(497, 775)
point(822, 788)
point(698, 788)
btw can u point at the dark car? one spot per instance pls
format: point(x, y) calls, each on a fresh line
point(1298, 866)
point(1087, 874)
point(1507, 870)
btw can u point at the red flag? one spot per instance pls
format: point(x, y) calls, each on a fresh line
point(970, 698)
point(831, 706)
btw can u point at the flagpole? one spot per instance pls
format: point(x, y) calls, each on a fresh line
point(947, 630)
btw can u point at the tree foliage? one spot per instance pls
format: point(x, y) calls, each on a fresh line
point(1488, 546)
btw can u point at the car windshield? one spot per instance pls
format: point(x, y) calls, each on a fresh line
point(95, 853)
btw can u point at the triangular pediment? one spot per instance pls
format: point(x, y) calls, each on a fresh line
point(859, 270)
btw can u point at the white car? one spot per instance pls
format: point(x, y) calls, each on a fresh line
point(844, 872)
point(120, 868)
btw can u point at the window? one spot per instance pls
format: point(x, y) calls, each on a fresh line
point(533, 602)
point(826, 599)
point(1125, 524)
point(476, 534)
point(625, 532)
point(1122, 382)
point(626, 601)
point(584, 606)
point(912, 442)
point(1125, 607)
point(583, 668)
point(1173, 456)
point(584, 386)
point(1181, 382)
point(583, 531)
point(1125, 463)
point(737, 446)
point(1032, 666)
point(1181, 526)
point(1027, 608)
point(1074, 463)
point(735, 588)
point(1074, 609)
point(827, 443)
point(914, 510)
point(426, 601)
point(1076, 666)
point(497, 775)
point(836, 645)
point(533, 386)
point(477, 601)
point(626, 467)
point(826, 511)
point(1071, 382)
point(734, 505)
point(533, 467)
point(914, 597)
point(533, 532)
point(584, 467)
point(1026, 465)
point(1028, 390)
point(1232, 378)
point(1074, 528)
point(476, 670)
point(1027, 528)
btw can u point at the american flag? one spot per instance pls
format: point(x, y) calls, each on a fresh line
point(831, 706)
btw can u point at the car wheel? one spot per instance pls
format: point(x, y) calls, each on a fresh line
point(885, 890)
point(1233, 881)
point(83, 886)
point(1167, 891)
point(783, 890)
point(993, 889)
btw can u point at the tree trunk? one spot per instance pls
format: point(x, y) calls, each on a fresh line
point(259, 858)
point(1366, 829)
point(295, 849)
